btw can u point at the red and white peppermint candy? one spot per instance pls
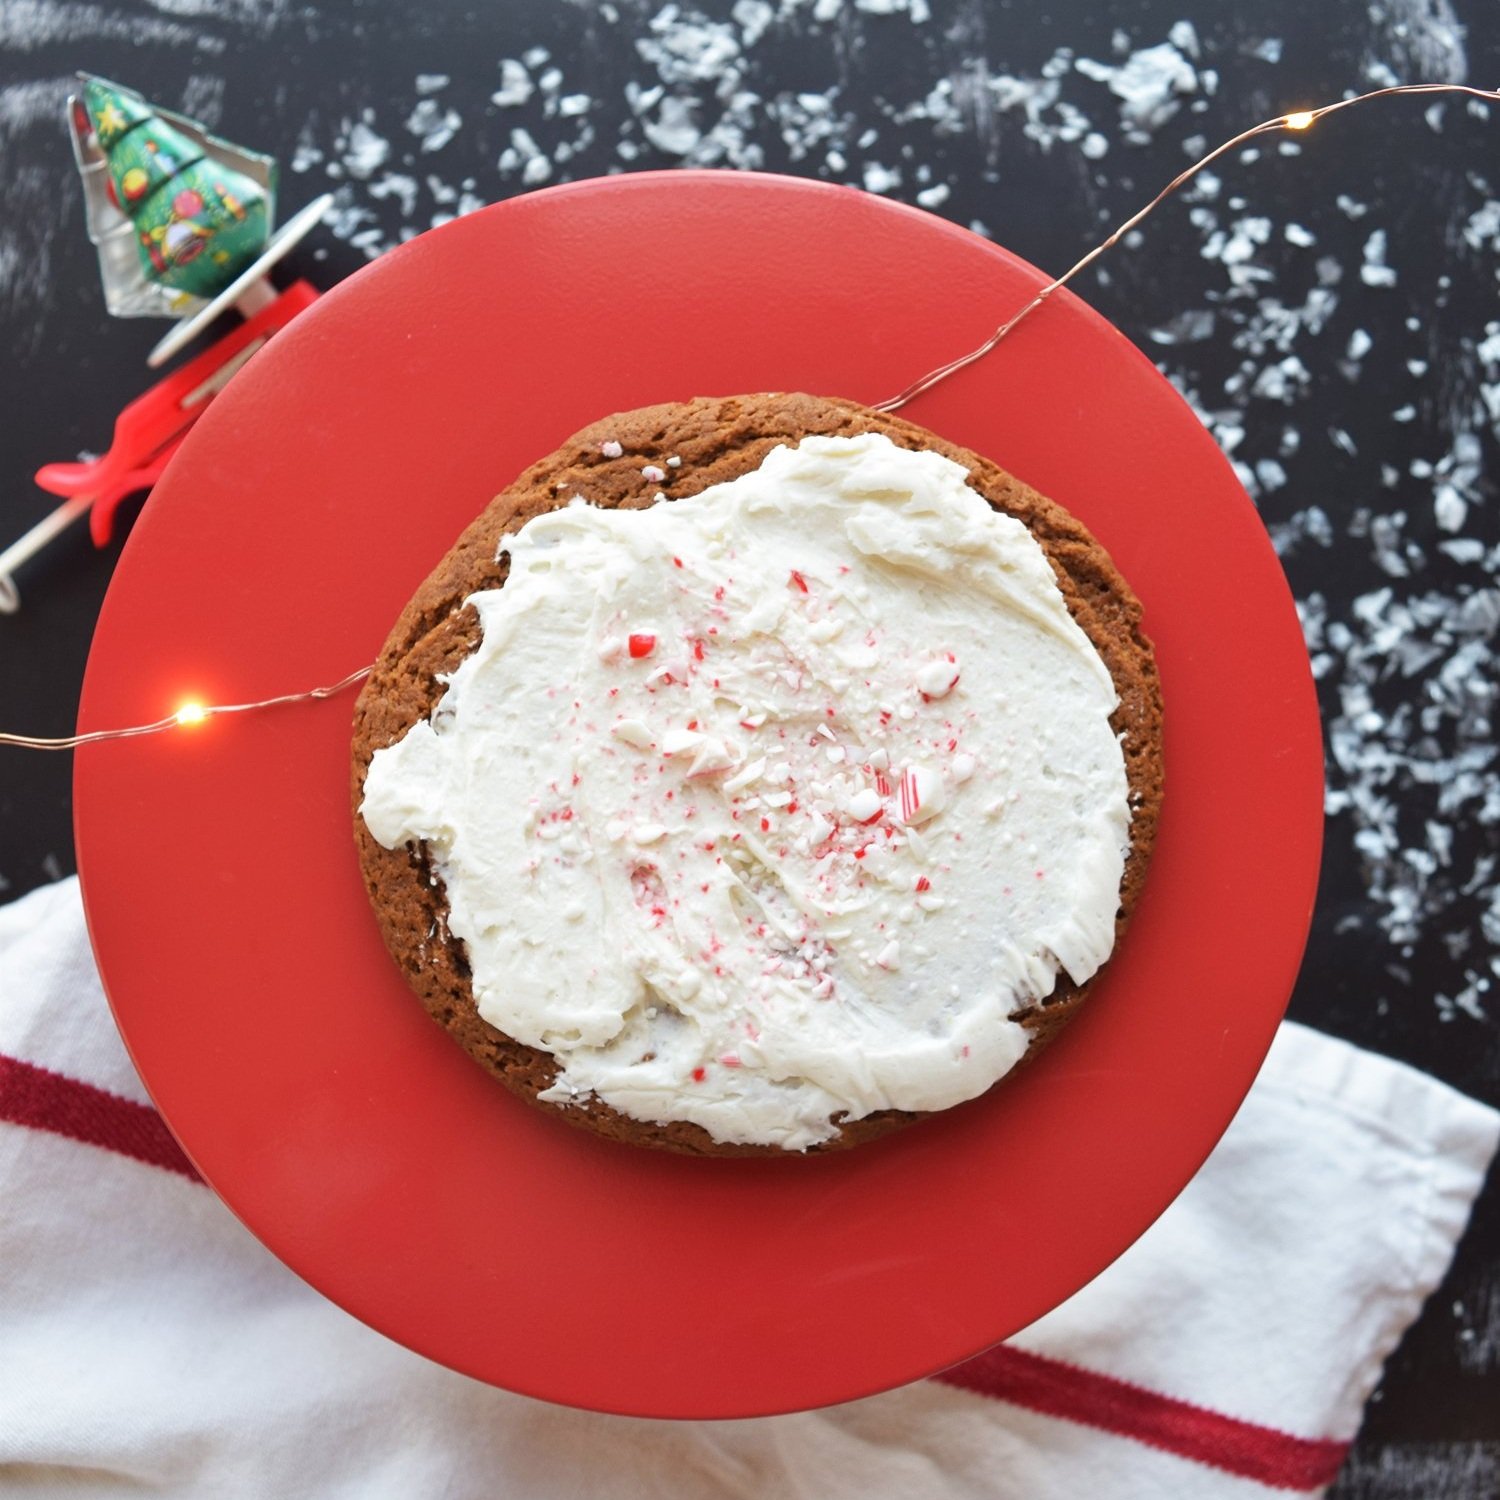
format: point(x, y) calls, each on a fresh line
point(921, 794)
point(936, 679)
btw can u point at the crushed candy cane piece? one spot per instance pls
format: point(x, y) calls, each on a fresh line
point(632, 732)
point(937, 679)
point(712, 756)
point(922, 794)
point(747, 774)
point(642, 645)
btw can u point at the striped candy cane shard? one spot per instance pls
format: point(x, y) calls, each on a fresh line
point(921, 794)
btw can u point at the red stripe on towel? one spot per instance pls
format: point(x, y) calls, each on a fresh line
point(45, 1100)
point(1058, 1389)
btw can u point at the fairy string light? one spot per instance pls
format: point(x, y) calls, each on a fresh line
point(188, 713)
point(1297, 121)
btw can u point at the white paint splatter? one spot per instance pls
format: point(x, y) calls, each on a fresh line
point(433, 125)
point(1150, 83)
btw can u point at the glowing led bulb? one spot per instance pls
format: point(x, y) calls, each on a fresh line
point(191, 713)
point(1299, 121)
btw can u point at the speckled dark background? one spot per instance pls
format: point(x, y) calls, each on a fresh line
point(1333, 312)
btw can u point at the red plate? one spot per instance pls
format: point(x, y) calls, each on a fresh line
point(244, 965)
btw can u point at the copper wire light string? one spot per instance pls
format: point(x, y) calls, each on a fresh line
point(189, 713)
point(1297, 120)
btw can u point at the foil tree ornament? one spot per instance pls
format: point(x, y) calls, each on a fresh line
point(177, 214)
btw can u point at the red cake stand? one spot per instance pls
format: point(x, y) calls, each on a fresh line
point(243, 962)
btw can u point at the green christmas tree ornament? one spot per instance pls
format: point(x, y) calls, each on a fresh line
point(183, 221)
point(198, 220)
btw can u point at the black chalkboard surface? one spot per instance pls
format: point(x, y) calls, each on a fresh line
point(1330, 305)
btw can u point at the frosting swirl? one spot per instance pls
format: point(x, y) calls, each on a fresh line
point(770, 807)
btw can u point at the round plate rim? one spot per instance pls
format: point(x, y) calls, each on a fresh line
point(1301, 693)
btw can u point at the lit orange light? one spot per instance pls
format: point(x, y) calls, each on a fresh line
point(1299, 121)
point(191, 713)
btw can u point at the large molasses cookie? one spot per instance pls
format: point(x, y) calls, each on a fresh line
point(756, 775)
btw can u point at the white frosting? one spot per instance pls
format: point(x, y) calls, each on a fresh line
point(770, 807)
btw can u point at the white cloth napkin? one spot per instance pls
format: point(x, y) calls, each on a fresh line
point(150, 1346)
